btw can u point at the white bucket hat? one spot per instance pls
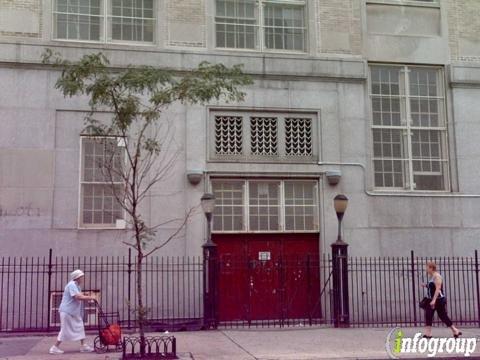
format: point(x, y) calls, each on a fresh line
point(76, 274)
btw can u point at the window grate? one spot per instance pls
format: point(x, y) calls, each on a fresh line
point(228, 135)
point(264, 136)
point(298, 137)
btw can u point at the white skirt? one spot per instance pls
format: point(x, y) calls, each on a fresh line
point(71, 328)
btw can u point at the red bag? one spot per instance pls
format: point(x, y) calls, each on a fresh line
point(112, 334)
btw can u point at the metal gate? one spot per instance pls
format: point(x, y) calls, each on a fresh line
point(270, 280)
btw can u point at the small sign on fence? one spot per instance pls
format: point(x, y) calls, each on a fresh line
point(264, 255)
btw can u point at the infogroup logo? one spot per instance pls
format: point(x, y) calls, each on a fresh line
point(397, 345)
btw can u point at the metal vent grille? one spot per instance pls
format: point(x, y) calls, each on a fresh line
point(264, 135)
point(298, 137)
point(228, 135)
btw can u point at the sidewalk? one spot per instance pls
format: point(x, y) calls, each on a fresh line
point(248, 344)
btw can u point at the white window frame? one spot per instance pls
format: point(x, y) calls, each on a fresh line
point(418, 3)
point(120, 223)
point(260, 26)
point(281, 221)
point(105, 16)
point(407, 129)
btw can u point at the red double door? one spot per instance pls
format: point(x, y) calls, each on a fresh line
point(268, 276)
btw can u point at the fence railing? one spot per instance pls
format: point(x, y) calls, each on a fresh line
point(383, 291)
point(31, 290)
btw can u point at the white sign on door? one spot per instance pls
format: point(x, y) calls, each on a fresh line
point(264, 255)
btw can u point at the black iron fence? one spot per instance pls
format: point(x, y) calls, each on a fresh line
point(386, 291)
point(382, 291)
point(31, 290)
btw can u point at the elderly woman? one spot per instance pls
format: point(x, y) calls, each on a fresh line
point(71, 321)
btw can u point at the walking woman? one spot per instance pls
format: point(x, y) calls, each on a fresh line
point(438, 302)
point(71, 321)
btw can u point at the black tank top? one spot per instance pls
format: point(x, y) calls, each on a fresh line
point(432, 287)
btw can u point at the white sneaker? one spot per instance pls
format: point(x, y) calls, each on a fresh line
point(86, 348)
point(55, 350)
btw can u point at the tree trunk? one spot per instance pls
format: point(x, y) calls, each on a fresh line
point(141, 309)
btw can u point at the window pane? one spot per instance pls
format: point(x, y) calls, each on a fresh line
point(229, 206)
point(284, 27)
point(132, 20)
point(78, 20)
point(300, 206)
point(264, 205)
point(100, 205)
point(102, 159)
point(236, 24)
point(393, 155)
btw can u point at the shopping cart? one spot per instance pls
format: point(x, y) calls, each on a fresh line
point(109, 337)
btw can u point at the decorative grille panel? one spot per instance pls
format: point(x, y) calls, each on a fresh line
point(264, 135)
point(228, 135)
point(298, 137)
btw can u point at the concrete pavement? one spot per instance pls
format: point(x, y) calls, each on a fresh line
point(247, 344)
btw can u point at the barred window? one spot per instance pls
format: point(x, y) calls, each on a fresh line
point(101, 182)
point(228, 135)
point(265, 205)
point(229, 205)
point(105, 20)
point(264, 133)
point(261, 24)
point(298, 136)
point(409, 128)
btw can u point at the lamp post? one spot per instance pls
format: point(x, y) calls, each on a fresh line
point(341, 312)
point(340, 203)
point(209, 266)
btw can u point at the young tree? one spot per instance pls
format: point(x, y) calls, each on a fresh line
point(135, 98)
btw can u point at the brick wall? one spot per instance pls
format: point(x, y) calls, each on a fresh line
point(340, 26)
point(464, 29)
point(21, 18)
point(186, 23)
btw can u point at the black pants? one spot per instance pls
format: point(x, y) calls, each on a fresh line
point(441, 308)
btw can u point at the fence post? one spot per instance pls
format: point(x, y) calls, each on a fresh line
point(210, 285)
point(478, 286)
point(129, 283)
point(49, 286)
point(414, 287)
point(341, 312)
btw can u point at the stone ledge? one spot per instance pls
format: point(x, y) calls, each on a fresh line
point(269, 65)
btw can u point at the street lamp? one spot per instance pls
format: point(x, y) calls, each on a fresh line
point(341, 312)
point(210, 292)
point(208, 205)
point(340, 203)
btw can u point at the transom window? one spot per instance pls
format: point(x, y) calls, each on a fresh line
point(101, 184)
point(409, 128)
point(261, 24)
point(105, 20)
point(263, 136)
point(265, 205)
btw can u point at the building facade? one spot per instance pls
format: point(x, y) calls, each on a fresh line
point(381, 93)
